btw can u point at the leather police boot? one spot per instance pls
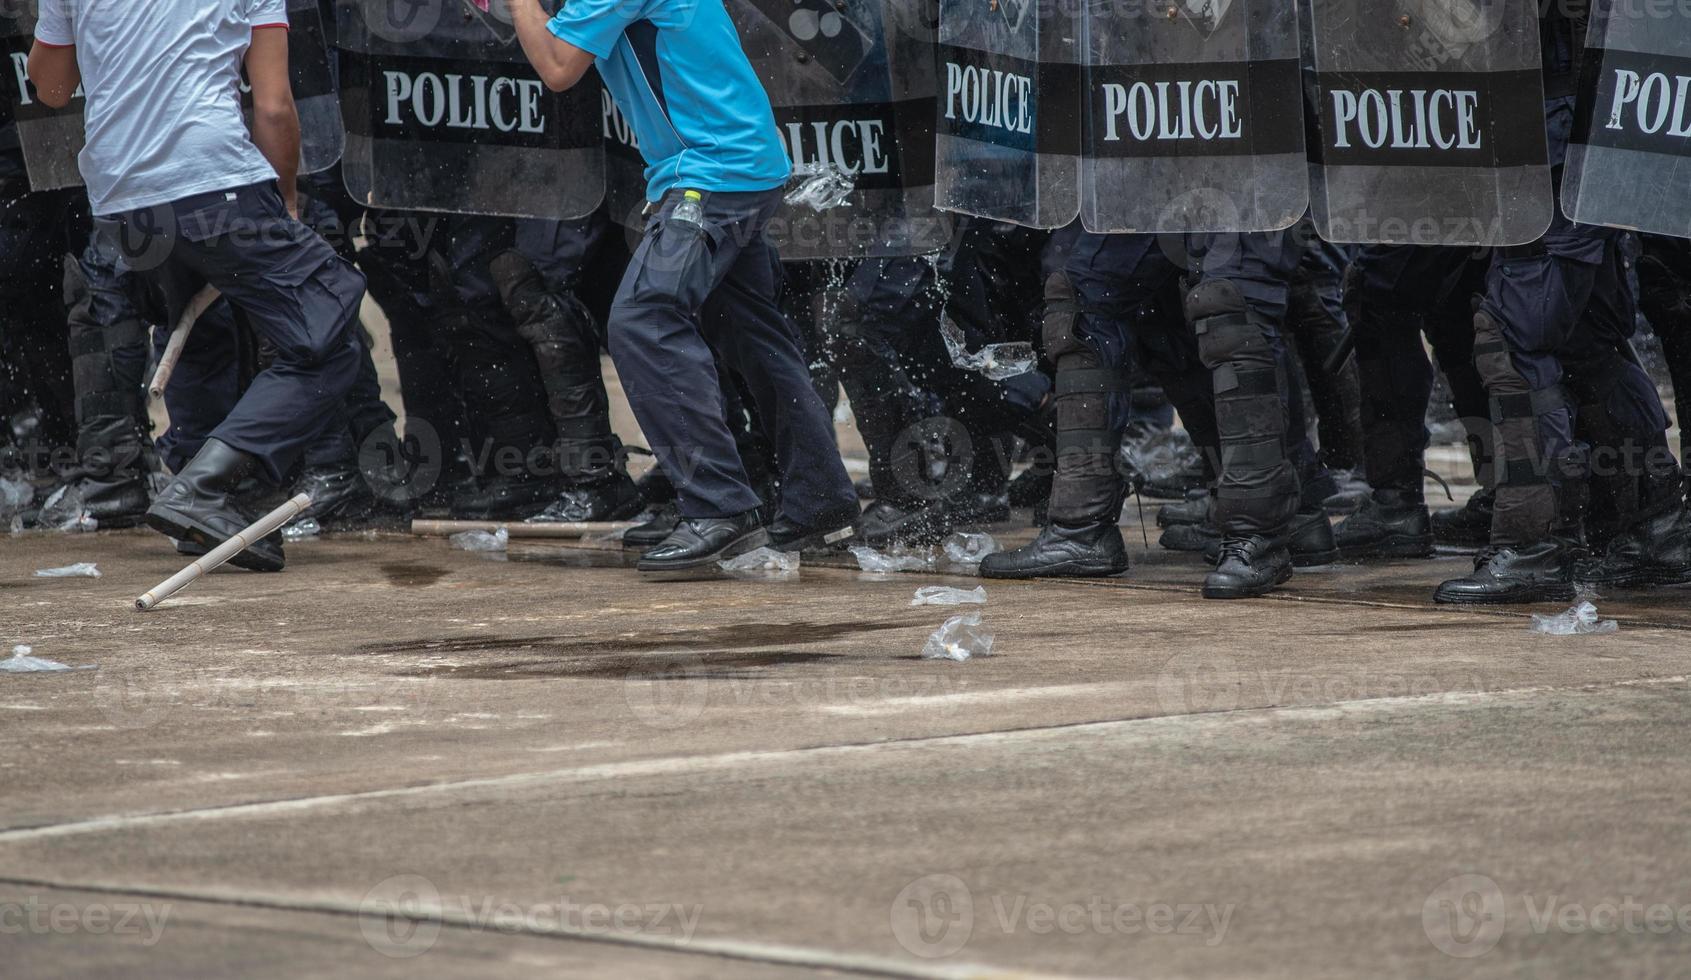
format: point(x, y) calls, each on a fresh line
point(1195, 509)
point(1202, 538)
point(832, 532)
point(1309, 539)
point(1541, 572)
point(1350, 492)
point(700, 541)
point(613, 498)
point(1390, 524)
point(659, 522)
point(1175, 485)
point(1089, 551)
point(113, 503)
point(502, 498)
point(1468, 526)
point(1655, 551)
point(885, 522)
point(199, 506)
point(339, 496)
point(1248, 566)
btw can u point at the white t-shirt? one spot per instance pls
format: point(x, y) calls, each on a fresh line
point(162, 79)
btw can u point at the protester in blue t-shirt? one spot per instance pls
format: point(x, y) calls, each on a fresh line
point(703, 277)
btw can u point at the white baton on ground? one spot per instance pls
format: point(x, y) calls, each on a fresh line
point(223, 552)
point(179, 338)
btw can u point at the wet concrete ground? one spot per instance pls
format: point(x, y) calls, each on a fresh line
point(399, 759)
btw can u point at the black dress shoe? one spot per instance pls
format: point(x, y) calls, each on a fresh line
point(1248, 567)
point(340, 498)
point(1091, 551)
point(1468, 526)
point(659, 522)
point(832, 532)
point(1542, 572)
point(700, 541)
point(1389, 524)
point(198, 506)
point(1195, 509)
point(614, 498)
point(1656, 551)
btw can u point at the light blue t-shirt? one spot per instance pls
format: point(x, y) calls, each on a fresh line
point(162, 79)
point(679, 76)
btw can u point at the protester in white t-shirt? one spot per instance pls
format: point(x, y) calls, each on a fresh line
point(192, 199)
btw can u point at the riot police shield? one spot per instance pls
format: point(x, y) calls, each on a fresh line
point(1194, 117)
point(1629, 164)
point(52, 139)
point(443, 112)
point(1008, 121)
point(852, 87)
point(1429, 122)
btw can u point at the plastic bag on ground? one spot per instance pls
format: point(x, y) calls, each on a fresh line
point(82, 569)
point(20, 662)
point(945, 595)
point(969, 547)
point(959, 639)
point(996, 362)
point(498, 540)
point(871, 560)
point(64, 511)
point(15, 495)
point(1575, 621)
point(763, 563)
point(302, 530)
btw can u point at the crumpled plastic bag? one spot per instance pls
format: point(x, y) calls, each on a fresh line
point(996, 362)
point(969, 547)
point(960, 638)
point(818, 187)
point(898, 560)
point(1577, 620)
point(20, 662)
point(15, 495)
point(945, 595)
point(764, 563)
point(302, 530)
point(82, 569)
point(498, 540)
point(64, 511)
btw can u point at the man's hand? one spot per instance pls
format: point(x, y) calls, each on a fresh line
point(275, 120)
point(55, 73)
point(559, 63)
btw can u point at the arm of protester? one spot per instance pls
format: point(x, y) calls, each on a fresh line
point(275, 120)
point(53, 69)
point(562, 48)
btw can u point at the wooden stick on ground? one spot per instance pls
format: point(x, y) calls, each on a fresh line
point(518, 529)
point(179, 339)
point(223, 552)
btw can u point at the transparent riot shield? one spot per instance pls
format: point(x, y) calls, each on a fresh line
point(852, 87)
point(1008, 131)
point(443, 112)
point(1194, 117)
point(49, 138)
point(1629, 165)
point(1429, 122)
point(320, 133)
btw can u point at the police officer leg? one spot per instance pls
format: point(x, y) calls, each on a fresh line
point(1258, 492)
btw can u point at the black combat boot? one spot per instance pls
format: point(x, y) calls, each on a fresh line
point(885, 522)
point(1468, 526)
point(199, 506)
point(612, 498)
point(1390, 524)
point(1654, 551)
point(1195, 509)
point(1093, 551)
point(1309, 539)
point(340, 497)
point(1541, 572)
point(831, 532)
point(1248, 566)
point(700, 541)
point(655, 524)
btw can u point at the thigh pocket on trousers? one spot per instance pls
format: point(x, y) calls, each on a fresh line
point(675, 265)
